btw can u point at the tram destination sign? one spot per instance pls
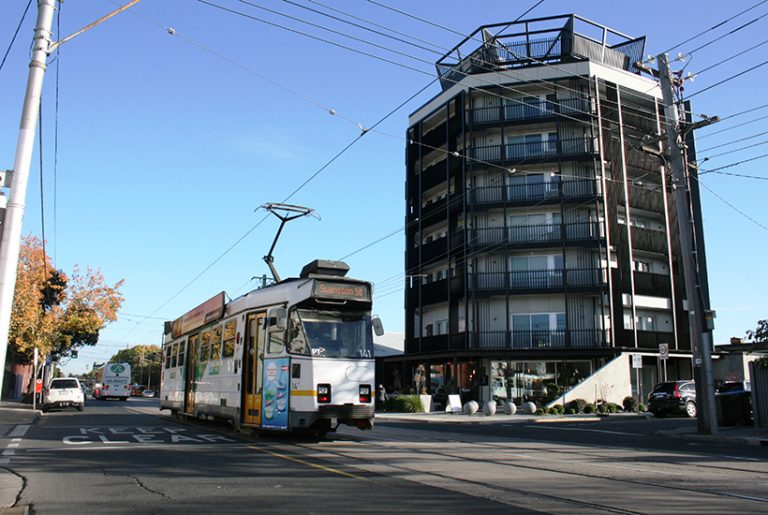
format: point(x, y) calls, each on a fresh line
point(333, 290)
point(210, 310)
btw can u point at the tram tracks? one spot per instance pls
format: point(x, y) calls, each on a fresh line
point(510, 462)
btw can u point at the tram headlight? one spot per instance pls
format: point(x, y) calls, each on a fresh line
point(323, 393)
point(365, 393)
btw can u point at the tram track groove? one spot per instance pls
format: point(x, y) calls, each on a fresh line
point(701, 491)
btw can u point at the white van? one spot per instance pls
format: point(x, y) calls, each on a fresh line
point(63, 392)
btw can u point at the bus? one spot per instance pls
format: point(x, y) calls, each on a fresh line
point(112, 381)
point(293, 356)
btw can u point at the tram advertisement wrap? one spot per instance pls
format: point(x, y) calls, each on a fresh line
point(275, 388)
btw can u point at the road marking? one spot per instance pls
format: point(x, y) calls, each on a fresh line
point(19, 431)
point(560, 428)
point(12, 444)
point(308, 463)
point(4, 461)
point(9, 452)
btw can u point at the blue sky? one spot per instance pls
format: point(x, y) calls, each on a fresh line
point(167, 144)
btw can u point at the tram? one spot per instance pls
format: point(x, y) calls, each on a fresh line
point(293, 356)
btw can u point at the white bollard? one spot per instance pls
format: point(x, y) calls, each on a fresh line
point(529, 407)
point(510, 408)
point(471, 408)
point(490, 408)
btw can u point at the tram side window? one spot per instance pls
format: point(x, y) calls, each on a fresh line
point(172, 357)
point(168, 349)
point(276, 341)
point(205, 346)
point(230, 329)
point(297, 342)
point(216, 343)
point(181, 353)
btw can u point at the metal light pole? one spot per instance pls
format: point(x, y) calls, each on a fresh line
point(11, 236)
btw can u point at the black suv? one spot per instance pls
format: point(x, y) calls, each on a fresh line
point(674, 397)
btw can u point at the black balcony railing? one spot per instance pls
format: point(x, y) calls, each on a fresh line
point(534, 191)
point(538, 339)
point(520, 110)
point(535, 234)
point(652, 284)
point(524, 280)
point(649, 240)
point(652, 339)
point(533, 150)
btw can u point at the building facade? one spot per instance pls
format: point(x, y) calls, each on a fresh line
point(541, 237)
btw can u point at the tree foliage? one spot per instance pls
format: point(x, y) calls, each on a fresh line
point(56, 312)
point(760, 334)
point(144, 360)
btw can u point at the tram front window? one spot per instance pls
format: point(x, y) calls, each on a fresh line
point(330, 334)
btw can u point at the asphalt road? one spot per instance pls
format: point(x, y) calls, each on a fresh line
point(122, 457)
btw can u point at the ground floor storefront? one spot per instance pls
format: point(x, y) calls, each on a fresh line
point(541, 379)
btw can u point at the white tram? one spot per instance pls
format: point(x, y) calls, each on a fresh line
point(296, 355)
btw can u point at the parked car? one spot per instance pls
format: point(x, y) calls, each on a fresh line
point(63, 392)
point(734, 403)
point(673, 398)
point(137, 390)
point(149, 393)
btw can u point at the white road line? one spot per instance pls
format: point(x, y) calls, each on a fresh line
point(19, 430)
point(12, 445)
point(8, 452)
point(4, 461)
point(742, 458)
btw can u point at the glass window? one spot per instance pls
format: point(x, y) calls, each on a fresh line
point(205, 346)
point(560, 321)
point(442, 327)
point(230, 331)
point(521, 323)
point(174, 349)
point(168, 351)
point(335, 334)
point(181, 347)
point(276, 342)
point(216, 343)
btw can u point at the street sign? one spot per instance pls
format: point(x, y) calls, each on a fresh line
point(663, 350)
point(38, 385)
point(637, 361)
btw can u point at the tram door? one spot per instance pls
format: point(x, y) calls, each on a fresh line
point(190, 385)
point(254, 363)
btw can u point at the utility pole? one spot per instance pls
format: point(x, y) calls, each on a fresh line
point(10, 239)
point(701, 336)
point(11, 235)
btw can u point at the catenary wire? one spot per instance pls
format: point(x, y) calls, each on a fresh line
point(729, 204)
point(699, 138)
point(740, 149)
point(727, 79)
point(56, 137)
point(719, 38)
point(16, 33)
point(732, 142)
point(734, 56)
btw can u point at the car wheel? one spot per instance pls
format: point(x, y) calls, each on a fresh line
point(690, 409)
point(79, 407)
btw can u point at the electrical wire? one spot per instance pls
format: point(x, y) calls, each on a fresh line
point(740, 149)
point(42, 191)
point(714, 27)
point(727, 79)
point(734, 56)
point(56, 138)
point(714, 170)
point(731, 128)
point(737, 29)
point(16, 33)
point(727, 203)
point(732, 142)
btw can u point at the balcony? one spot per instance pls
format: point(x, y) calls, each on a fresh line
point(437, 343)
point(649, 240)
point(534, 192)
point(657, 285)
point(646, 198)
point(538, 339)
point(524, 281)
point(535, 235)
point(545, 150)
point(521, 110)
point(652, 339)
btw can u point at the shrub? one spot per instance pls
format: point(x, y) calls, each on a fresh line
point(577, 405)
point(557, 409)
point(642, 407)
point(570, 411)
point(553, 392)
point(589, 408)
point(612, 407)
point(541, 411)
point(602, 408)
point(629, 403)
point(404, 404)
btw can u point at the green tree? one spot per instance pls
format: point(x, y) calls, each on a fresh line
point(145, 361)
point(760, 334)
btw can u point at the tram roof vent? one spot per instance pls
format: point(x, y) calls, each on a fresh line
point(324, 267)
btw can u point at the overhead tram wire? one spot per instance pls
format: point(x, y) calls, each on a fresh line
point(56, 138)
point(715, 27)
point(16, 33)
point(727, 59)
point(699, 138)
point(720, 38)
point(740, 149)
point(727, 203)
point(701, 151)
point(731, 165)
point(501, 86)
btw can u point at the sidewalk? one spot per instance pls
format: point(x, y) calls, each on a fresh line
point(12, 414)
point(739, 435)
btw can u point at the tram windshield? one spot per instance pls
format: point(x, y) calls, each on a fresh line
point(330, 334)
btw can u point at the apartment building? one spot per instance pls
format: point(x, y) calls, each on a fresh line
point(541, 237)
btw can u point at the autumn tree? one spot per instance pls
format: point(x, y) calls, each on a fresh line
point(55, 312)
point(760, 333)
point(145, 361)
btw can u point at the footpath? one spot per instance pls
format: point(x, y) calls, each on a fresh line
point(12, 415)
point(739, 435)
